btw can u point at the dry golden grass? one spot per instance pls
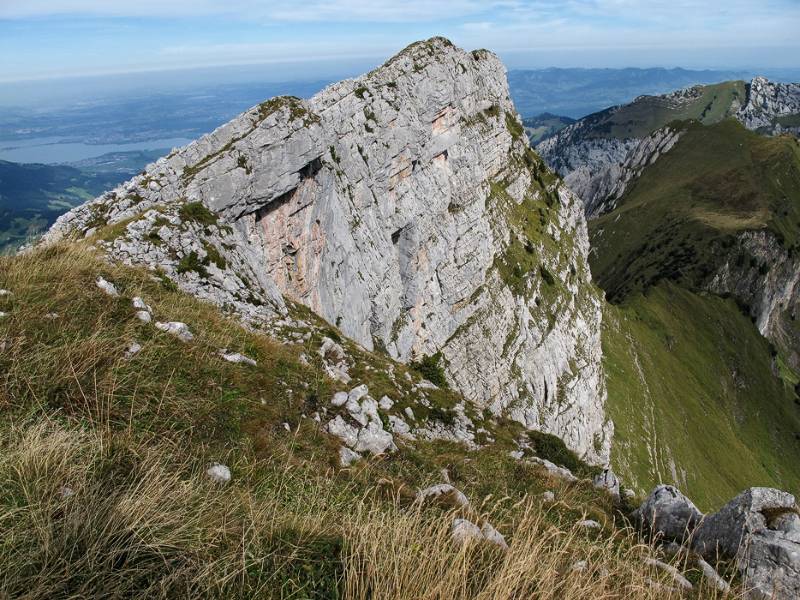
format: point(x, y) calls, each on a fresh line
point(103, 491)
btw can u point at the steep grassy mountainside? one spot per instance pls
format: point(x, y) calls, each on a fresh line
point(104, 489)
point(680, 219)
point(706, 104)
point(601, 154)
point(695, 397)
point(719, 212)
point(698, 396)
point(579, 92)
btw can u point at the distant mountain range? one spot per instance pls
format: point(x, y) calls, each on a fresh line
point(579, 92)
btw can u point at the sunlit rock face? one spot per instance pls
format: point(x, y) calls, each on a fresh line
point(406, 208)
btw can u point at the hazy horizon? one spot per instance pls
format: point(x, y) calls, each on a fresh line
point(57, 38)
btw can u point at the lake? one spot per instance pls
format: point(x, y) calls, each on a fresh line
point(53, 150)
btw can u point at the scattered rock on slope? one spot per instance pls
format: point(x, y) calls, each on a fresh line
point(667, 514)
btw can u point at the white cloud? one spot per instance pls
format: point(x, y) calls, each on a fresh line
point(276, 10)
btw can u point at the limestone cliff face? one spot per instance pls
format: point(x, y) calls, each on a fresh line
point(406, 208)
point(765, 277)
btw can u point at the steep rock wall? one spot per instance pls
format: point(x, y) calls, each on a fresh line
point(406, 208)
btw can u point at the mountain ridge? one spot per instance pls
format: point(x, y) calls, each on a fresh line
point(322, 201)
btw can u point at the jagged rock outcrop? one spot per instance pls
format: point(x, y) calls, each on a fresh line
point(406, 208)
point(760, 530)
point(764, 276)
point(598, 164)
point(771, 107)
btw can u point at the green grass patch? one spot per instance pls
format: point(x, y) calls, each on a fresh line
point(198, 213)
point(694, 399)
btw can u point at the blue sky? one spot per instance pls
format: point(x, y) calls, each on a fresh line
point(57, 38)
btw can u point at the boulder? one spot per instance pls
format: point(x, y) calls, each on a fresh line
point(760, 530)
point(343, 430)
point(219, 473)
point(491, 535)
point(339, 399)
point(106, 286)
point(607, 480)
point(667, 514)
point(143, 316)
point(139, 304)
point(347, 457)
point(235, 357)
point(589, 525)
point(176, 328)
point(443, 491)
point(554, 470)
point(374, 439)
point(464, 532)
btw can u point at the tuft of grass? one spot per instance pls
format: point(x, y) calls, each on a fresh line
point(197, 212)
point(430, 368)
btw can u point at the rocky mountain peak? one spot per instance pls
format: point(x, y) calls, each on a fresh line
point(406, 208)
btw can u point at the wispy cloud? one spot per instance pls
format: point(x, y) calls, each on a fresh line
point(51, 36)
point(277, 10)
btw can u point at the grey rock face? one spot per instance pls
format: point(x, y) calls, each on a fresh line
point(760, 529)
point(667, 514)
point(768, 282)
point(388, 204)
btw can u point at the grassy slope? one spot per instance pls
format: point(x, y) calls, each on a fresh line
point(680, 216)
point(694, 399)
point(691, 382)
point(131, 438)
point(648, 113)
